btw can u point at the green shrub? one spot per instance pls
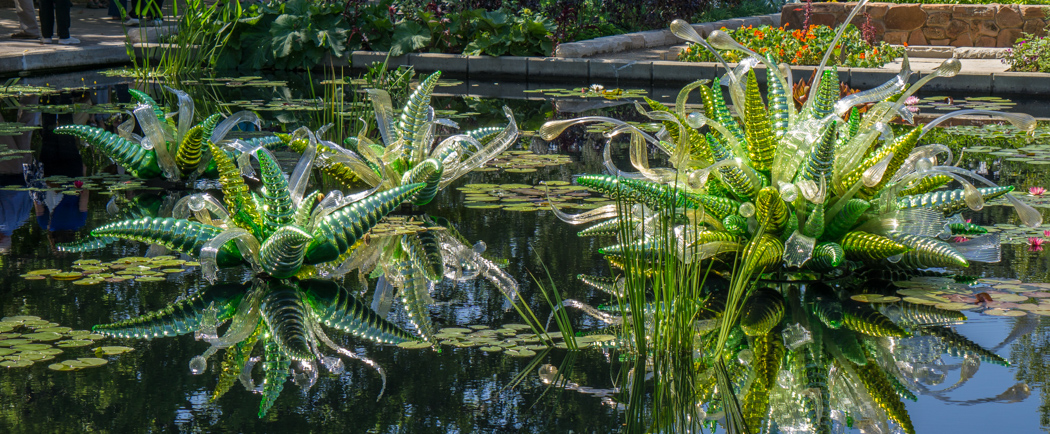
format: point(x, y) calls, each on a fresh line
point(801, 47)
point(1029, 54)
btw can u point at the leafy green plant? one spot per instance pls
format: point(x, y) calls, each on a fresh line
point(801, 47)
point(1029, 54)
point(286, 35)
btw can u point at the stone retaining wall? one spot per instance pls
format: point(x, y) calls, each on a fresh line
point(991, 25)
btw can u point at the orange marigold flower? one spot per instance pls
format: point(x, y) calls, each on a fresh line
point(905, 44)
point(860, 56)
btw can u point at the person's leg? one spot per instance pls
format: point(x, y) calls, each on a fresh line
point(47, 18)
point(62, 17)
point(27, 17)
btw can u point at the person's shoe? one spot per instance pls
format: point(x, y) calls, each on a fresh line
point(131, 22)
point(69, 41)
point(24, 35)
point(46, 41)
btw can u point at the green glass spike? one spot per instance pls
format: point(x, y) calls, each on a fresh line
point(815, 222)
point(827, 94)
point(846, 219)
point(281, 255)
point(182, 317)
point(140, 162)
point(929, 252)
point(429, 172)
point(413, 121)
point(823, 304)
point(144, 98)
point(763, 254)
point(846, 342)
point(414, 296)
point(967, 229)
point(277, 207)
point(608, 227)
point(826, 257)
point(87, 244)
point(763, 310)
point(861, 317)
point(286, 319)
point(912, 315)
point(720, 111)
point(276, 370)
point(778, 102)
point(424, 250)
point(334, 234)
point(234, 360)
point(761, 143)
point(337, 308)
point(191, 150)
point(239, 202)
point(733, 176)
point(770, 210)
point(821, 159)
point(183, 236)
point(926, 184)
point(719, 207)
point(958, 345)
point(863, 246)
point(884, 395)
point(949, 202)
point(735, 224)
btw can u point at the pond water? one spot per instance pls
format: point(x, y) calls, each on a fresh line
point(457, 388)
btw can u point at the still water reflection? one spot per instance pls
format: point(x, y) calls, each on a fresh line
point(833, 372)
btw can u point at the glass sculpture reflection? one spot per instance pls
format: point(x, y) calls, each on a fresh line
point(275, 324)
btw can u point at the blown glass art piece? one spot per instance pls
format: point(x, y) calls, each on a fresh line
point(808, 189)
point(276, 231)
point(407, 154)
point(169, 148)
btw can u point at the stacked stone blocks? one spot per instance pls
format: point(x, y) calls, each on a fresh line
point(989, 25)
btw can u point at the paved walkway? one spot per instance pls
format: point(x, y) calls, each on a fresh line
point(101, 43)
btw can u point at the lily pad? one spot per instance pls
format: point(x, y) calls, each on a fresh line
point(112, 351)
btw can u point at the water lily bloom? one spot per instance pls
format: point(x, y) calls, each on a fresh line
point(1035, 244)
point(960, 239)
point(1046, 234)
point(1036, 191)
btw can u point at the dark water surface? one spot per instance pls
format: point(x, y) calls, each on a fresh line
point(457, 389)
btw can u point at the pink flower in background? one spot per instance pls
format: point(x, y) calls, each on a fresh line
point(1036, 191)
point(911, 102)
point(960, 239)
point(78, 183)
point(1035, 244)
point(1046, 234)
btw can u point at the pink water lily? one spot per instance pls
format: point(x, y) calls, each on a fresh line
point(1046, 234)
point(960, 239)
point(1035, 244)
point(1036, 191)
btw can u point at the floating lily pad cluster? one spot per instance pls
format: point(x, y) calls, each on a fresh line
point(94, 272)
point(524, 162)
point(971, 102)
point(516, 340)
point(524, 197)
point(26, 340)
point(989, 296)
point(592, 91)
